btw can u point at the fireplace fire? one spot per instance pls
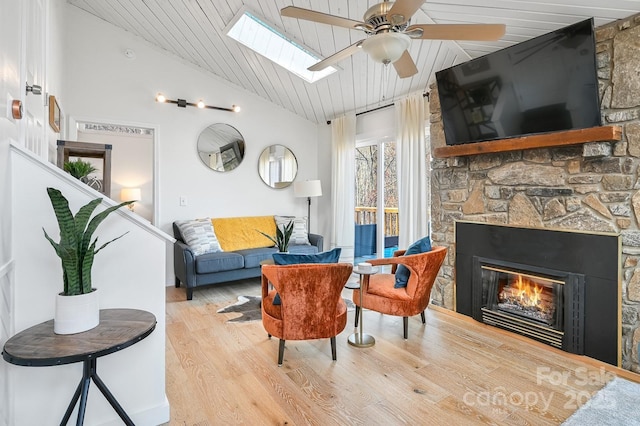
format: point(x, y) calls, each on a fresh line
point(522, 302)
point(528, 296)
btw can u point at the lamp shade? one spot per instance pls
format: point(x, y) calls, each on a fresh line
point(386, 47)
point(307, 188)
point(130, 194)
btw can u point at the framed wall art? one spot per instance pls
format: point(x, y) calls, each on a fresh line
point(54, 114)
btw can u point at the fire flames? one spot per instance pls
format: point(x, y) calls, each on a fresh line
point(525, 292)
point(527, 297)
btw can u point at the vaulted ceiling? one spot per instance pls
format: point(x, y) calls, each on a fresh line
point(194, 30)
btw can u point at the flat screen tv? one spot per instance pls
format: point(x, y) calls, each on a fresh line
point(545, 84)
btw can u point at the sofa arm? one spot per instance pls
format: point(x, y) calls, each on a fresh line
point(184, 264)
point(316, 240)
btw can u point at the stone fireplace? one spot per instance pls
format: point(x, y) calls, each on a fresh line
point(591, 188)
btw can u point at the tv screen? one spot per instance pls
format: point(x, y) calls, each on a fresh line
point(545, 84)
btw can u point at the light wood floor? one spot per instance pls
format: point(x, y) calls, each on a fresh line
point(452, 371)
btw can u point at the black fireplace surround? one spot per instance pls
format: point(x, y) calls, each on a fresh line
point(593, 328)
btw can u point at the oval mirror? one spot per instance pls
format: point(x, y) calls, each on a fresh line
point(221, 147)
point(277, 166)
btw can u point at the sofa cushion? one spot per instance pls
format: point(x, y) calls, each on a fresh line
point(239, 233)
point(300, 234)
point(253, 257)
point(218, 262)
point(423, 245)
point(198, 234)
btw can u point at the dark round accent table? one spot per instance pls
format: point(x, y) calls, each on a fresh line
point(39, 346)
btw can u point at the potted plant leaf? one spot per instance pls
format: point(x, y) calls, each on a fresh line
point(79, 169)
point(282, 237)
point(77, 250)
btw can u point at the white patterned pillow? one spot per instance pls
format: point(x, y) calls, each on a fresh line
point(300, 233)
point(199, 236)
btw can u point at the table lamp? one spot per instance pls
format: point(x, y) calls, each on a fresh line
point(129, 194)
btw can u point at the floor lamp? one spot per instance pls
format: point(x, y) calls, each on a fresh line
point(307, 188)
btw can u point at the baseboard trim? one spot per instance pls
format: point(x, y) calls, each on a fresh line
point(158, 415)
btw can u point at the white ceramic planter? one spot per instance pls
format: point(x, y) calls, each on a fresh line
point(75, 314)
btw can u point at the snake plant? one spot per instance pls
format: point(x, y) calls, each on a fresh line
point(75, 248)
point(282, 237)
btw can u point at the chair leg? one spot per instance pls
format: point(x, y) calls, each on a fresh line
point(280, 353)
point(189, 293)
point(333, 348)
point(269, 335)
point(424, 320)
point(177, 282)
point(357, 315)
point(405, 323)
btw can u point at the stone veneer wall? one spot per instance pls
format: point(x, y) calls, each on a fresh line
point(589, 187)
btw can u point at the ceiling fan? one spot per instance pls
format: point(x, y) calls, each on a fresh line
point(387, 25)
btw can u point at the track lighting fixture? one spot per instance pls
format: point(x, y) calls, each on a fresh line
point(200, 104)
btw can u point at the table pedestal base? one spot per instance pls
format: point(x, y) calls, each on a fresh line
point(361, 340)
point(82, 392)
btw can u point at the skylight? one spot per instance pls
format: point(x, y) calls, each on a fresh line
point(268, 41)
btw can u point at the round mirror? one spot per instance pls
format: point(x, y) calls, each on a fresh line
point(277, 166)
point(221, 147)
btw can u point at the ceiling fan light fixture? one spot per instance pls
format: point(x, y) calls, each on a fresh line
point(386, 47)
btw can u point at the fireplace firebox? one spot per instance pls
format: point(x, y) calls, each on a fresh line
point(561, 288)
point(540, 303)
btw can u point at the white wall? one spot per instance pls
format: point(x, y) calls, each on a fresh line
point(101, 83)
point(10, 46)
point(55, 61)
point(131, 165)
point(28, 267)
point(128, 274)
point(10, 72)
point(8, 130)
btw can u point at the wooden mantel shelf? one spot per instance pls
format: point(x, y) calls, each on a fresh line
point(569, 137)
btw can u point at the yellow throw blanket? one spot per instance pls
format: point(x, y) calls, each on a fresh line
point(238, 233)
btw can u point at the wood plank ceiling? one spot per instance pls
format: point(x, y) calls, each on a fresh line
point(194, 30)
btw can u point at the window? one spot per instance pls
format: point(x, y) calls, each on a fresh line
point(265, 39)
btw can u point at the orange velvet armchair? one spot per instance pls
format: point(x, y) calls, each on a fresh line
point(311, 303)
point(378, 293)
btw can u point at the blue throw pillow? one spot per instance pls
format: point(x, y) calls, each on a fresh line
point(331, 256)
point(402, 273)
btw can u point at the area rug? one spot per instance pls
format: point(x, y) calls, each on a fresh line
point(249, 309)
point(615, 404)
point(247, 306)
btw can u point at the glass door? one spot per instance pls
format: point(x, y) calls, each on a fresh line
point(376, 211)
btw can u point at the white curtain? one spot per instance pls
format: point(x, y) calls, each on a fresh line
point(343, 135)
point(413, 169)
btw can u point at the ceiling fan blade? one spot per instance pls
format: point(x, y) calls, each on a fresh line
point(405, 67)
point(458, 31)
point(403, 10)
point(323, 18)
point(336, 57)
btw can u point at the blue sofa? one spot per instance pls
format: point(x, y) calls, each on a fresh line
point(213, 268)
